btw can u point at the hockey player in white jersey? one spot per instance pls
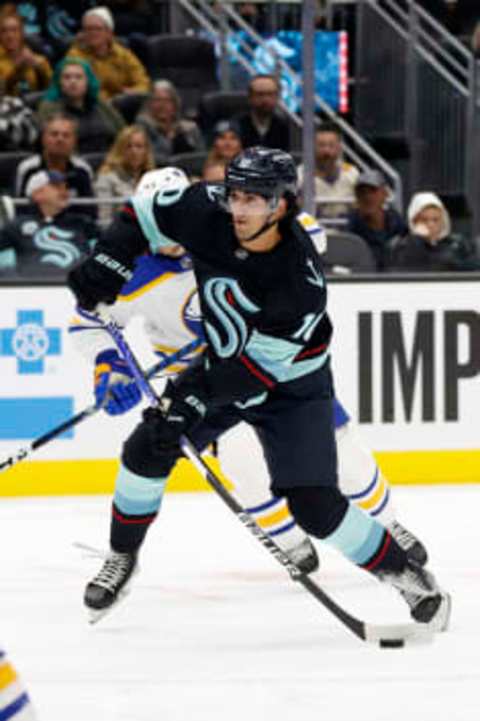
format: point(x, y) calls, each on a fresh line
point(15, 704)
point(163, 292)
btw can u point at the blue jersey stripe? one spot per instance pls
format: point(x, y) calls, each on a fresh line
point(12, 709)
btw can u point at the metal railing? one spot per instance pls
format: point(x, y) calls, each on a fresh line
point(227, 20)
point(418, 85)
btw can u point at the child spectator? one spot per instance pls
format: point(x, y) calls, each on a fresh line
point(431, 245)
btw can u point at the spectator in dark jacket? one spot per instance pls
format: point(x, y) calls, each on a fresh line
point(373, 219)
point(74, 92)
point(59, 138)
point(263, 125)
point(50, 239)
point(430, 244)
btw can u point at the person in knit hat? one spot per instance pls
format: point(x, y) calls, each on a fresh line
point(430, 244)
point(116, 67)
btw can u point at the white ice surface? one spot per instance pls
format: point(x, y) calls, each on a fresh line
point(214, 630)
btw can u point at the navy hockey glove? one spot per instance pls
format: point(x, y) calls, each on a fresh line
point(100, 278)
point(178, 413)
point(115, 388)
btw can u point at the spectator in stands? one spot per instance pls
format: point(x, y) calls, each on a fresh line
point(18, 126)
point(430, 244)
point(128, 159)
point(167, 131)
point(21, 70)
point(74, 92)
point(262, 124)
point(226, 143)
point(214, 172)
point(334, 178)
point(116, 67)
point(373, 219)
point(50, 239)
point(58, 140)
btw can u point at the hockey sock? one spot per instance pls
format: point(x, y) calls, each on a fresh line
point(367, 543)
point(135, 505)
point(14, 700)
point(274, 517)
point(360, 479)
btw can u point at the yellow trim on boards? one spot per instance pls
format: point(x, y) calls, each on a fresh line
point(49, 478)
point(64, 478)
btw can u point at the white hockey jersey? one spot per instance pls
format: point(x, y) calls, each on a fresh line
point(163, 293)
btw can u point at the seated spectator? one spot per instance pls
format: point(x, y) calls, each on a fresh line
point(262, 124)
point(58, 141)
point(372, 218)
point(115, 66)
point(127, 160)
point(51, 239)
point(430, 244)
point(226, 143)
point(167, 131)
point(18, 126)
point(74, 92)
point(334, 178)
point(21, 70)
point(213, 172)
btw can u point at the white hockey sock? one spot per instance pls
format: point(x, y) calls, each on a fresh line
point(14, 699)
point(360, 479)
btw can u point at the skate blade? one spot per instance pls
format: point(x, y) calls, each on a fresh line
point(441, 621)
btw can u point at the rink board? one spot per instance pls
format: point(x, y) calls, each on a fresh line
point(406, 364)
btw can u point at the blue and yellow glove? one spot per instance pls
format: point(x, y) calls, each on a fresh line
point(115, 388)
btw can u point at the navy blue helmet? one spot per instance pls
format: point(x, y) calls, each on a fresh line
point(266, 171)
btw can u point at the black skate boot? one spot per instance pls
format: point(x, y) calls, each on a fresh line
point(427, 602)
point(110, 585)
point(304, 556)
point(414, 548)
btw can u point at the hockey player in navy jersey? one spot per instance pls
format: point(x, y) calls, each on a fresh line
point(263, 299)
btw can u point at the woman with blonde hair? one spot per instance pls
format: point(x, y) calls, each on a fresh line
point(21, 70)
point(128, 159)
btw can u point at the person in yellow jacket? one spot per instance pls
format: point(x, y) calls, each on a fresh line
point(21, 70)
point(116, 67)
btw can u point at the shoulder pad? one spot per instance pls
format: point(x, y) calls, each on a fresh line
point(314, 230)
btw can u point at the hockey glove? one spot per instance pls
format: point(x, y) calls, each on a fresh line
point(115, 388)
point(180, 410)
point(100, 278)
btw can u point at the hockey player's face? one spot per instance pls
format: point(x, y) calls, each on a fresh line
point(249, 212)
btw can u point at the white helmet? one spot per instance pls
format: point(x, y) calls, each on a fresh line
point(167, 184)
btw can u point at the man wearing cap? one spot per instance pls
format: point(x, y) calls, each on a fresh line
point(373, 219)
point(50, 239)
point(116, 67)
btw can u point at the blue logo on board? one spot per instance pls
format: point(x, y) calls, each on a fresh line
point(30, 342)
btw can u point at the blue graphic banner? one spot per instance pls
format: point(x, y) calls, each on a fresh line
point(27, 418)
point(287, 44)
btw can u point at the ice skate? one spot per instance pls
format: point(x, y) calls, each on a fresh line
point(110, 585)
point(304, 556)
point(427, 602)
point(414, 548)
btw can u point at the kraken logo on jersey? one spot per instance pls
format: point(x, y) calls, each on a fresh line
point(220, 294)
point(63, 253)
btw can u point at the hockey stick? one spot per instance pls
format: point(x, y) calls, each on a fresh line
point(386, 635)
point(25, 452)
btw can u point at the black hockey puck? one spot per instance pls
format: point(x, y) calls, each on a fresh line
point(391, 643)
